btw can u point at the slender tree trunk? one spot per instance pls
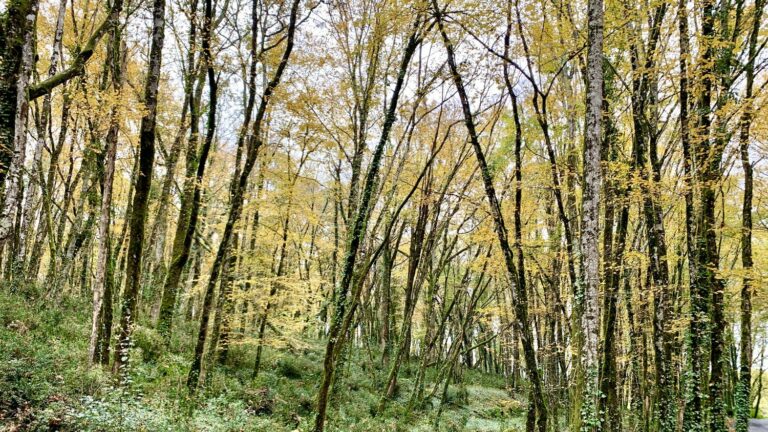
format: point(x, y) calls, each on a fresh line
point(341, 292)
point(117, 60)
point(156, 268)
point(759, 390)
point(411, 297)
point(42, 132)
point(745, 365)
point(274, 286)
point(609, 403)
point(521, 297)
point(385, 308)
point(705, 281)
point(129, 307)
point(185, 225)
point(239, 186)
point(223, 312)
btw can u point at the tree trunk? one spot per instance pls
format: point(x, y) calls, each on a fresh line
point(117, 59)
point(142, 186)
point(240, 183)
point(17, 30)
point(17, 50)
point(355, 235)
point(745, 365)
point(385, 308)
point(590, 255)
point(521, 297)
point(185, 225)
point(609, 404)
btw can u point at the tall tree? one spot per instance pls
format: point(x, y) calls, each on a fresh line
point(101, 328)
point(129, 303)
point(590, 234)
point(538, 404)
point(190, 200)
point(239, 185)
point(743, 391)
point(342, 304)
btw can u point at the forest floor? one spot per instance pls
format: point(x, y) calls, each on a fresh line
point(45, 384)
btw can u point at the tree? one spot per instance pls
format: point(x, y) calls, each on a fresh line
point(101, 322)
point(744, 386)
point(343, 305)
point(538, 404)
point(129, 303)
point(239, 184)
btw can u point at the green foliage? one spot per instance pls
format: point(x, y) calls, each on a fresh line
point(591, 417)
point(288, 368)
point(45, 384)
point(42, 359)
point(148, 342)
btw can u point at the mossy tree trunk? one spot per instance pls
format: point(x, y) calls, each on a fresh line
point(341, 304)
point(129, 306)
point(185, 226)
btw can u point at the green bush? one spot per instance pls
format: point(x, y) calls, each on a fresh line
point(149, 342)
point(288, 368)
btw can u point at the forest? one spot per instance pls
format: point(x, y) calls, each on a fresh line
point(383, 215)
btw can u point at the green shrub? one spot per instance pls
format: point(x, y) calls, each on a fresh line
point(149, 342)
point(288, 368)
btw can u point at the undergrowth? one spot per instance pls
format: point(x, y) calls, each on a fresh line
point(45, 384)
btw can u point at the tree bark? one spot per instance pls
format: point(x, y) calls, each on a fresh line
point(521, 296)
point(17, 29)
point(240, 183)
point(590, 255)
point(17, 50)
point(129, 307)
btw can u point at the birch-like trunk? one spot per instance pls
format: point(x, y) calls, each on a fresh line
point(14, 179)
